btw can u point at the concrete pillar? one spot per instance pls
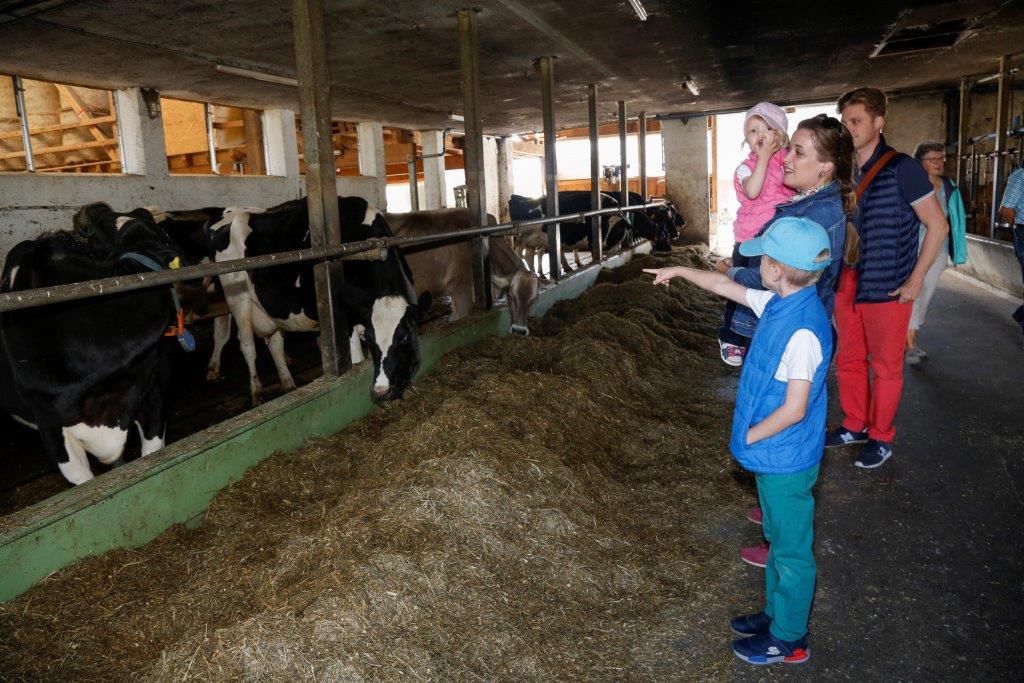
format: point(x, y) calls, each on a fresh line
point(686, 173)
point(282, 149)
point(491, 175)
point(435, 192)
point(370, 139)
point(142, 136)
point(504, 162)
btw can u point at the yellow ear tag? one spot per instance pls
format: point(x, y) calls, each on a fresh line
point(175, 263)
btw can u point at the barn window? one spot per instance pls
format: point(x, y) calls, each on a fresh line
point(196, 132)
point(69, 128)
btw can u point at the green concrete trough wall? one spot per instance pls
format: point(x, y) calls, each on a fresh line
point(134, 504)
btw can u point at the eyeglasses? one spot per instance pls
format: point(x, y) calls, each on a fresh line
point(934, 159)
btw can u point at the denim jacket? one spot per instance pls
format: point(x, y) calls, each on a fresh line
point(824, 207)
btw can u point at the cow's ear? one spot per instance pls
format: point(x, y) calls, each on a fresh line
point(423, 305)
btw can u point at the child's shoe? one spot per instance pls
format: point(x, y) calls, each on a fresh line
point(731, 354)
point(751, 625)
point(764, 648)
point(756, 516)
point(756, 556)
point(841, 436)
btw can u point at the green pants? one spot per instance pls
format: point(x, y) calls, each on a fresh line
point(788, 508)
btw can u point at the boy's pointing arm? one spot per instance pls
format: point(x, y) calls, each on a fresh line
point(716, 283)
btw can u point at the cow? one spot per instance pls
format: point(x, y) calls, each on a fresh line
point(448, 268)
point(81, 372)
point(573, 234)
point(659, 224)
point(376, 300)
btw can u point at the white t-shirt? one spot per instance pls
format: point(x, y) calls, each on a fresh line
point(803, 352)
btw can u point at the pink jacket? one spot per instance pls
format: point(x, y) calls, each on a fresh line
point(753, 213)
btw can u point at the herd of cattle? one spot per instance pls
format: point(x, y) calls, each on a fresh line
point(82, 372)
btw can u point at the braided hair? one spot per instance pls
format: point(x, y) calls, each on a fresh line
point(834, 144)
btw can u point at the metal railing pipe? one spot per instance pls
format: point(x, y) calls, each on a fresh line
point(26, 137)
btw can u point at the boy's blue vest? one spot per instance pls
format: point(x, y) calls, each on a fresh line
point(798, 447)
point(889, 232)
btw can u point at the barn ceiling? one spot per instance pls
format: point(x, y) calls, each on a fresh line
point(397, 61)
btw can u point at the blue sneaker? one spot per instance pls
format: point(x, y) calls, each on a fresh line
point(874, 454)
point(841, 436)
point(751, 625)
point(764, 648)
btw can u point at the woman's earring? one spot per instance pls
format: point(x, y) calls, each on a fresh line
point(821, 173)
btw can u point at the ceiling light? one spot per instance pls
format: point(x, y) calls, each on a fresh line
point(691, 85)
point(264, 76)
point(638, 7)
point(456, 117)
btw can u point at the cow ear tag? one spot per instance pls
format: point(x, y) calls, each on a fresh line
point(187, 341)
point(176, 263)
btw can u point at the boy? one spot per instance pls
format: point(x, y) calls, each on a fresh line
point(778, 429)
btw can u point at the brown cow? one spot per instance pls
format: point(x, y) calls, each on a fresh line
point(448, 269)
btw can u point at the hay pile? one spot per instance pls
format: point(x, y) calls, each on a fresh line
point(546, 507)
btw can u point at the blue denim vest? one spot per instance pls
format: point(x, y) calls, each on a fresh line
point(888, 229)
point(798, 447)
point(824, 207)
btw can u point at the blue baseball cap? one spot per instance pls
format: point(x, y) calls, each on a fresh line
point(793, 241)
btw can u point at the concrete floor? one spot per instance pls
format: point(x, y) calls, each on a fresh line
point(921, 562)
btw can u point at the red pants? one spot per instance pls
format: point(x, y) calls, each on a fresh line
point(870, 336)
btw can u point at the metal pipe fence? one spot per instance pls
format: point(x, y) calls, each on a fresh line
point(372, 249)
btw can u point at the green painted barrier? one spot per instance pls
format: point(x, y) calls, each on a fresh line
point(132, 505)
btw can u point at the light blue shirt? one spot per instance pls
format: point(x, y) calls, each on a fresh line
point(1013, 197)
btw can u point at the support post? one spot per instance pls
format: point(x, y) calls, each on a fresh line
point(414, 190)
point(321, 185)
point(26, 138)
point(642, 151)
point(545, 66)
point(624, 174)
point(597, 243)
point(504, 178)
point(435, 191)
point(370, 146)
point(211, 139)
point(476, 191)
point(961, 131)
point(999, 158)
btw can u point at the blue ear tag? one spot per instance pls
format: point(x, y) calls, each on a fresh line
point(187, 341)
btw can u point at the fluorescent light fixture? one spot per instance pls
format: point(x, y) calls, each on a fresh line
point(456, 117)
point(691, 85)
point(639, 8)
point(264, 76)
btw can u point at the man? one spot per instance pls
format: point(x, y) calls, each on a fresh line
point(1011, 210)
point(885, 275)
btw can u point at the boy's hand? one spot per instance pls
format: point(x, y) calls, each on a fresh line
point(723, 265)
point(661, 275)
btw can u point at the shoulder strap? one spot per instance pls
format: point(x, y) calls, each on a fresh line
point(866, 179)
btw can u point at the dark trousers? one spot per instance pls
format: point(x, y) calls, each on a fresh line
point(725, 332)
point(1018, 248)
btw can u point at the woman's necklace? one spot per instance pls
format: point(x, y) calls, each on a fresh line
point(807, 193)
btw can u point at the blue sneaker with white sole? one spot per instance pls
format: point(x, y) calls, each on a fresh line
point(841, 436)
point(874, 454)
point(751, 624)
point(764, 648)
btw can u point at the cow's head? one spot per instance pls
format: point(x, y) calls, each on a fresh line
point(390, 333)
point(523, 290)
point(141, 234)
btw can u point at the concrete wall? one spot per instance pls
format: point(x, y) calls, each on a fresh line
point(31, 203)
point(913, 119)
point(686, 173)
point(995, 263)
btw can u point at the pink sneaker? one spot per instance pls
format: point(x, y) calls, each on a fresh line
point(755, 515)
point(756, 556)
point(731, 354)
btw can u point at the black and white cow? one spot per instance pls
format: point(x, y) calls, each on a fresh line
point(377, 298)
point(659, 224)
point(573, 234)
point(81, 372)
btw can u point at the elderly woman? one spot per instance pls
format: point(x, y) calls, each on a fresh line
point(819, 166)
point(932, 156)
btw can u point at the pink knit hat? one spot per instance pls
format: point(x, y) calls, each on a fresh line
point(771, 113)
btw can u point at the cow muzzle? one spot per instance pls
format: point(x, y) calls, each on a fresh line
point(521, 329)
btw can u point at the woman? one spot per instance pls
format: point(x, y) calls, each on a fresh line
point(932, 156)
point(819, 166)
